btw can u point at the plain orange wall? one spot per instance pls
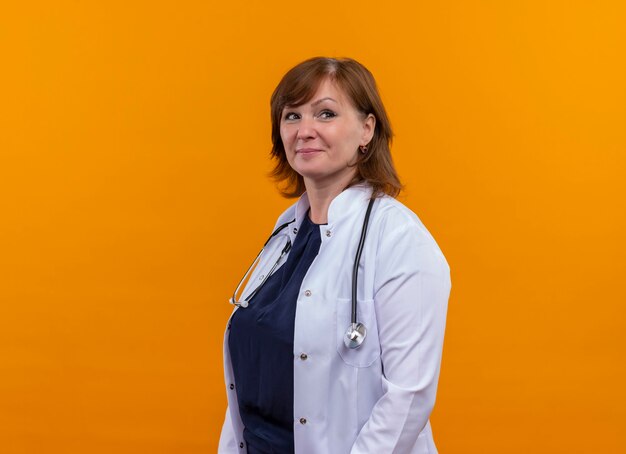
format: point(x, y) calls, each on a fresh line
point(134, 140)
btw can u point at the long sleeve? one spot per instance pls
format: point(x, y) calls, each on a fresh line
point(411, 298)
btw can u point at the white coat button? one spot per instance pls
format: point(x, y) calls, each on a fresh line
point(329, 233)
point(302, 421)
point(232, 386)
point(261, 277)
point(241, 445)
point(307, 293)
point(303, 356)
point(295, 230)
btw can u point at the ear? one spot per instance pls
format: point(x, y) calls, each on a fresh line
point(369, 125)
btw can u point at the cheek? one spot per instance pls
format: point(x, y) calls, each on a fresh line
point(286, 135)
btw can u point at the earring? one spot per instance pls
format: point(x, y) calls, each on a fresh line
point(363, 148)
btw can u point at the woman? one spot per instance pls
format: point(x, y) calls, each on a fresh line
point(302, 375)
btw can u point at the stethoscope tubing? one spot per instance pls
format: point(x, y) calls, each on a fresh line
point(244, 301)
point(357, 259)
point(355, 335)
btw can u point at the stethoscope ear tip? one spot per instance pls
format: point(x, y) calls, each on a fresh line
point(243, 303)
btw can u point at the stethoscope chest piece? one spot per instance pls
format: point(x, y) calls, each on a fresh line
point(355, 335)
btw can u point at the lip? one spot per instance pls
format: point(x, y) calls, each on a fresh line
point(308, 150)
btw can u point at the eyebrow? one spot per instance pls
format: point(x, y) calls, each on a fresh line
point(313, 104)
point(321, 100)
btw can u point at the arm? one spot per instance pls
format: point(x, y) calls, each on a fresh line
point(411, 297)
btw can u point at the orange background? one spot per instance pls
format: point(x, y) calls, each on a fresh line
point(134, 140)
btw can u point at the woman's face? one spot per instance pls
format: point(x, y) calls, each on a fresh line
point(322, 137)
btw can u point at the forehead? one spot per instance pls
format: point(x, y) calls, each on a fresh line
point(327, 88)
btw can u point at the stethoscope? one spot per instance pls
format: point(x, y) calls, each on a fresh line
point(356, 332)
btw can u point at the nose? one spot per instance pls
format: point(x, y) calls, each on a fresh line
point(306, 129)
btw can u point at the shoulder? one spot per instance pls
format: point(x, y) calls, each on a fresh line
point(395, 217)
point(286, 216)
point(400, 230)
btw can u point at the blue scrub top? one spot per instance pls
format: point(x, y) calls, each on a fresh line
point(261, 349)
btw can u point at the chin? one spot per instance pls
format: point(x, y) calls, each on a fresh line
point(309, 171)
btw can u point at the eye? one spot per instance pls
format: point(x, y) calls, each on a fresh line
point(327, 114)
point(290, 116)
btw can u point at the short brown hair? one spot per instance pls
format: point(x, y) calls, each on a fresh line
point(298, 86)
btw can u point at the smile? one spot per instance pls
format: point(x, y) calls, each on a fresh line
point(308, 150)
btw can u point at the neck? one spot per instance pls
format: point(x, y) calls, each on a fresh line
point(321, 195)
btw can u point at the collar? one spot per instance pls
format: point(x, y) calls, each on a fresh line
point(344, 205)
